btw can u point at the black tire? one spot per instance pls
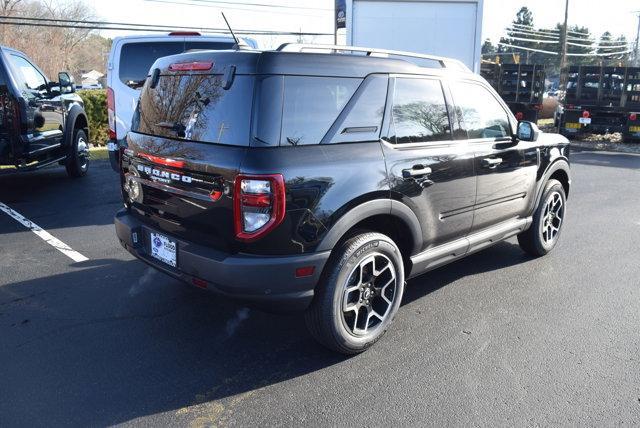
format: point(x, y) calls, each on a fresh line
point(540, 239)
point(326, 318)
point(77, 162)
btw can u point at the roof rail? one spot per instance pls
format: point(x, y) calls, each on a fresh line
point(443, 61)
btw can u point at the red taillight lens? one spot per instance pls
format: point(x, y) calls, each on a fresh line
point(586, 114)
point(111, 113)
point(191, 66)
point(519, 115)
point(633, 117)
point(259, 205)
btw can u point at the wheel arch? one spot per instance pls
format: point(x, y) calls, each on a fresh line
point(76, 119)
point(559, 170)
point(389, 217)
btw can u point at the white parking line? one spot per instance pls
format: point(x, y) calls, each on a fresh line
point(46, 236)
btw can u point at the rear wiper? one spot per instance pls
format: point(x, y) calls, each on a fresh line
point(176, 127)
point(136, 84)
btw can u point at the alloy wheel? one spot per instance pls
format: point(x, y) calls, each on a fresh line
point(552, 217)
point(369, 295)
point(83, 153)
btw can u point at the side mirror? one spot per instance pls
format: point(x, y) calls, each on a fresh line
point(527, 131)
point(66, 83)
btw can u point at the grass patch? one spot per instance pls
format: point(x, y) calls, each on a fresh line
point(99, 153)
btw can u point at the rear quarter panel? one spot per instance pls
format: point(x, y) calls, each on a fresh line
point(323, 182)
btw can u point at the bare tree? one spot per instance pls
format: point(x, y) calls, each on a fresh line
point(40, 42)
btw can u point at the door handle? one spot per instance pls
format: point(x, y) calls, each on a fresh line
point(491, 162)
point(416, 171)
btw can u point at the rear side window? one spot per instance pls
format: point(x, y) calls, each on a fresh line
point(311, 105)
point(137, 58)
point(197, 108)
point(419, 111)
point(482, 115)
point(363, 117)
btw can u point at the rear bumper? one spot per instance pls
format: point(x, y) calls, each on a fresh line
point(265, 281)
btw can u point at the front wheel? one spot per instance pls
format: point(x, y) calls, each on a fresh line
point(359, 295)
point(547, 223)
point(77, 162)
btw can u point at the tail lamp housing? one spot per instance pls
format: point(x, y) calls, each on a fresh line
point(633, 117)
point(259, 205)
point(586, 114)
point(111, 113)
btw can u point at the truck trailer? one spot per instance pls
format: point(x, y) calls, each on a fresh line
point(600, 100)
point(521, 86)
point(447, 28)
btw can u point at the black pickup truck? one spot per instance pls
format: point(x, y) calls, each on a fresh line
point(42, 122)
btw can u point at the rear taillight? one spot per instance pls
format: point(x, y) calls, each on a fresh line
point(519, 115)
point(586, 114)
point(633, 117)
point(259, 205)
point(111, 113)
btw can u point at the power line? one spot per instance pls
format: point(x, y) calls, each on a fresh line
point(246, 9)
point(94, 25)
point(235, 3)
point(554, 42)
point(528, 49)
point(600, 54)
point(527, 33)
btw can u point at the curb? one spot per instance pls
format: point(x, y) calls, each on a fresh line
point(606, 146)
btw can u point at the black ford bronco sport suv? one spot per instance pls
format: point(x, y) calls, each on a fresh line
point(322, 178)
point(41, 122)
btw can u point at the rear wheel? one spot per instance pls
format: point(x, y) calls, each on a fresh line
point(548, 219)
point(359, 295)
point(77, 162)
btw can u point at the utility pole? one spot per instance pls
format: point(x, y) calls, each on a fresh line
point(563, 56)
point(637, 47)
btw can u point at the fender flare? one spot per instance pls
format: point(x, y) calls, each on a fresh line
point(559, 164)
point(70, 123)
point(370, 209)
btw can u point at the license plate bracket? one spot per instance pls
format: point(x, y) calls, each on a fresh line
point(164, 249)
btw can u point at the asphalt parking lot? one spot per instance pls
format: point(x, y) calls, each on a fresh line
point(495, 339)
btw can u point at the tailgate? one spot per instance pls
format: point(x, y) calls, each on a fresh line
point(183, 188)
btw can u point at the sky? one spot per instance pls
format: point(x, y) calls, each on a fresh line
point(317, 15)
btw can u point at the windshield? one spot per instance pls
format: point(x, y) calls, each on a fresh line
point(137, 58)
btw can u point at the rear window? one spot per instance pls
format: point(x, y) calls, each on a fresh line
point(197, 108)
point(137, 58)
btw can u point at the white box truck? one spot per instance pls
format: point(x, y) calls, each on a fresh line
point(450, 28)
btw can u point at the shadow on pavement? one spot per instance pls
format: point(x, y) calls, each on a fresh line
point(42, 195)
point(113, 340)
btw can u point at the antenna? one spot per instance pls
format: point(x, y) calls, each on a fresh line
point(229, 27)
